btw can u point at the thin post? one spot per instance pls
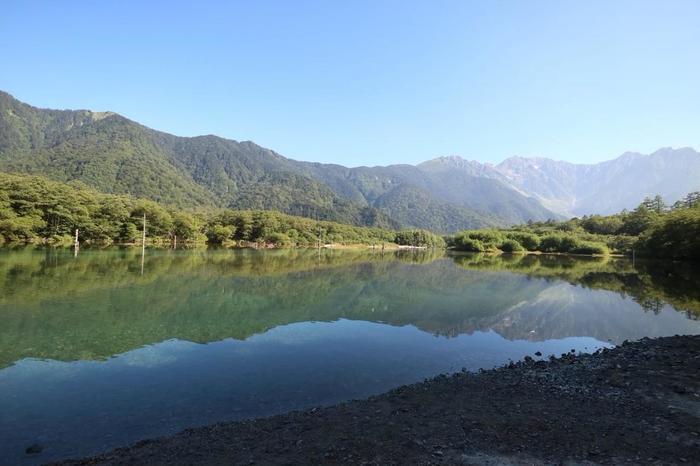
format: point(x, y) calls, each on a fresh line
point(143, 235)
point(76, 245)
point(143, 242)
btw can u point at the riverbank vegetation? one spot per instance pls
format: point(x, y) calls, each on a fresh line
point(34, 210)
point(524, 240)
point(419, 238)
point(652, 229)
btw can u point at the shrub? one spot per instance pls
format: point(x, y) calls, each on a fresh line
point(559, 243)
point(588, 247)
point(278, 239)
point(21, 228)
point(551, 243)
point(421, 238)
point(622, 243)
point(529, 241)
point(602, 225)
point(468, 244)
point(490, 238)
point(486, 240)
point(566, 227)
point(568, 244)
point(128, 232)
point(218, 234)
point(510, 245)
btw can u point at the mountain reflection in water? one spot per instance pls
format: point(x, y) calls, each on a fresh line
point(211, 335)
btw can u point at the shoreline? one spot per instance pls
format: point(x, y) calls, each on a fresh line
point(636, 403)
point(328, 246)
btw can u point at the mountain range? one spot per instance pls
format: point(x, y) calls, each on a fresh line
point(116, 155)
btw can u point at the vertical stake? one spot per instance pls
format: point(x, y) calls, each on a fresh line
point(143, 242)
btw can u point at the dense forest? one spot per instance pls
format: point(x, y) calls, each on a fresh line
point(652, 229)
point(34, 209)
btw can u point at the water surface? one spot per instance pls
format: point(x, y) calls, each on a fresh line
point(96, 352)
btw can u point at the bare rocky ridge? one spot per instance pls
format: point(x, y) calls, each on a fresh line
point(606, 187)
point(635, 404)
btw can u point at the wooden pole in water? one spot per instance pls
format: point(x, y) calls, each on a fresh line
point(143, 242)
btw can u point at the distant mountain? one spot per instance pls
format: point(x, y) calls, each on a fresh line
point(606, 187)
point(476, 185)
point(431, 195)
point(116, 155)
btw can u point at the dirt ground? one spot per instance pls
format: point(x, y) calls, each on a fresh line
point(635, 404)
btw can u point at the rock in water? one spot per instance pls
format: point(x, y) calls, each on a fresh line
point(33, 449)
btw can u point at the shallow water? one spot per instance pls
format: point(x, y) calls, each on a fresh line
point(96, 353)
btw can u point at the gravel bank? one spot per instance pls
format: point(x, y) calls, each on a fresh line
point(637, 404)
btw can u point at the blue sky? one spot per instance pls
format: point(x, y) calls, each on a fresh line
point(373, 82)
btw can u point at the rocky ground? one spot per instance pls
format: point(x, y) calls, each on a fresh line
point(635, 404)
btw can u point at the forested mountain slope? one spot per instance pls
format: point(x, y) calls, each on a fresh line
point(436, 188)
point(116, 155)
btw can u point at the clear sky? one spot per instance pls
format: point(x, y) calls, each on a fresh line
point(373, 82)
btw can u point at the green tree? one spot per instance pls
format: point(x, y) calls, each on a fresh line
point(184, 225)
point(218, 234)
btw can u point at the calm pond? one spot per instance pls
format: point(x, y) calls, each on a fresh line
point(100, 350)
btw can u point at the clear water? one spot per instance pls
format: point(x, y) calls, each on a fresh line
point(96, 352)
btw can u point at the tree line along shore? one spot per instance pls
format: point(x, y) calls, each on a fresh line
point(652, 229)
point(37, 210)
